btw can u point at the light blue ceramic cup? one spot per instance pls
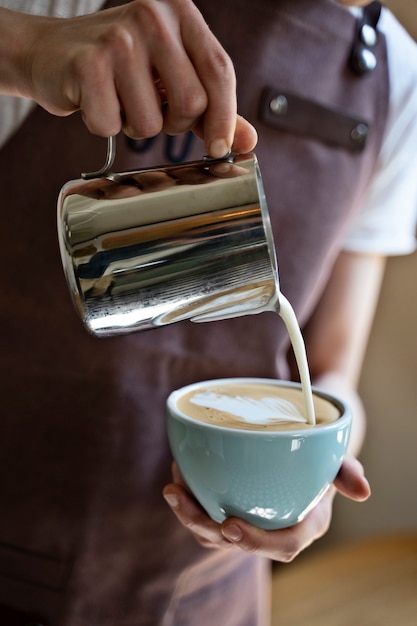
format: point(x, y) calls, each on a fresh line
point(269, 478)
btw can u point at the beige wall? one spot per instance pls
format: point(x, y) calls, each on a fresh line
point(389, 390)
point(406, 12)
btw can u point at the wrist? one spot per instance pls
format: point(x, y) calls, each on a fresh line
point(17, 34)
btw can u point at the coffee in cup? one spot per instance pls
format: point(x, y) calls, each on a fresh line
point(245, 447)
point(253, 406)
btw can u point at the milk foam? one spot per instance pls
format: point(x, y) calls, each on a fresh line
point(250, 410)
point(253, 404)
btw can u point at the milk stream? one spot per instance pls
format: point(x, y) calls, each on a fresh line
point(287, 314)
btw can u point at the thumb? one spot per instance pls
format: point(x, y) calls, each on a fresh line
point(351, 481)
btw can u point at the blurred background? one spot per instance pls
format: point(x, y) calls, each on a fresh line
point(388, 388)
point(364, 571)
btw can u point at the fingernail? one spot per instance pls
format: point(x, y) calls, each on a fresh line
point(367, 488)
point(218, 148)
point(172, 500)
point(232, 532)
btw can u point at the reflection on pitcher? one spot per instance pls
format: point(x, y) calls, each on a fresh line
point(148, 248)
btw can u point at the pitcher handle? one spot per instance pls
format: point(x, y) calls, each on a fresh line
point(111, 155)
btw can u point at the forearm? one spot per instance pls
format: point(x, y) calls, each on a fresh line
point(337, 333)
point(337, 384)
point(17, 31)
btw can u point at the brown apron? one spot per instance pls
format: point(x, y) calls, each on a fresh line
point(85, 536)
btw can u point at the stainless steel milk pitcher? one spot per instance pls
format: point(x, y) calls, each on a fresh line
point(145, 248)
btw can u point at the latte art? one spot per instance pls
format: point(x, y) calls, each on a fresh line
point(251, 410)
point(254, 406)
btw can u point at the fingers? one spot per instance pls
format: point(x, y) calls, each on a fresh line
point(119, 65)
point(191, 515)
point(115, 77)
point(184, 94)
point(160, 68)
point(285, 544)
point(245, 138)
point(151, 50)
point(280, 545)
point(351, 481)
point(216, 73)
point(95, 93)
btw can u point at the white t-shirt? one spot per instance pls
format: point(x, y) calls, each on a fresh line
point(387, 221)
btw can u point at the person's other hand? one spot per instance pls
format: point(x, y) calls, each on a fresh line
point(147, 66)
point(280, 545)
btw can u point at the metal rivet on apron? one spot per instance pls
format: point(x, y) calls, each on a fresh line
point(279, 105)
point(365, 60)
point(359, 133)
point(368, 35)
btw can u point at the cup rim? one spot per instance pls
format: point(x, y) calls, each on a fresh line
point(344, 419)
